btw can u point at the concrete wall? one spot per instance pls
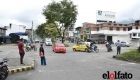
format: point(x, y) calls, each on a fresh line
point(125, 38)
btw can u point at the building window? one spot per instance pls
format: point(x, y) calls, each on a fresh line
point(117, 28)
point(111, 28)
point(124, 29)
point(115, 24)
point(109, 23)
point(97, 28)
point(125, 24)
point(129, 28)
point(134, 34)
point(139, 35)
point(136, 27)
point(120, 24)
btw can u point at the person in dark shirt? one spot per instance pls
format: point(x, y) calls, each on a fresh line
point(42, 55)
point(21, 50)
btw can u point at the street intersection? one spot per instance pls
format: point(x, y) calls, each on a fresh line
point(75, 65)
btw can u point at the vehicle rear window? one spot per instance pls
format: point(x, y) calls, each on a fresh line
point(60, 45)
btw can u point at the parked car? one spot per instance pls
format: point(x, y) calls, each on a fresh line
point(48, 43)
point(80, 47)
point(37, 41)
point(124, 44)
point(59, 48)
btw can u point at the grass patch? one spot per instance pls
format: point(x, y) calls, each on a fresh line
point(132, 56)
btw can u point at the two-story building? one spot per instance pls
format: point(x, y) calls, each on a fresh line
point(110, 31)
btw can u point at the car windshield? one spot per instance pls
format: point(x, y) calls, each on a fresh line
point(60, 45)
point(48, 41)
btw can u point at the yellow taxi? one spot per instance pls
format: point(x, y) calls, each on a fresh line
point(80, 47)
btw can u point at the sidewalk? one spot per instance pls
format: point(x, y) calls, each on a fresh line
point(10, 51)
point(15, 66)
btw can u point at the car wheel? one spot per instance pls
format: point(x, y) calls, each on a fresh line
point(86, 50)
point(74, 49)
point(127, 46)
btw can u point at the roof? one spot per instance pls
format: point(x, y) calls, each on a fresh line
point(5, 37)
point(19, 33)
point(135, 31)
point(3, 28)
point(107, 32)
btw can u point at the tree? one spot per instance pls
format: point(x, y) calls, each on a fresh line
point(51, 30)
point(41, 32)
point(61, 13)
point(47, 30)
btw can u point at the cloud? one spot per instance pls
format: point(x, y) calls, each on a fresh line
point(25, 11)
point(131, 13)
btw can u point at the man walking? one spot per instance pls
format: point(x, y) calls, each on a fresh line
point(118, 44)
point(21, 50)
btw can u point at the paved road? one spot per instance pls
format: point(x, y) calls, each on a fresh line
point(77, 66)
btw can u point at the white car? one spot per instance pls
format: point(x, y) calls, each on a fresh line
point(48, 43)
point(124, 44)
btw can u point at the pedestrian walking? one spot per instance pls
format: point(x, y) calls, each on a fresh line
point(21, 50)
point(118, 44)
point(42, 55)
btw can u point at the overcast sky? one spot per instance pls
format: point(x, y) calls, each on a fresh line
point(22, 12)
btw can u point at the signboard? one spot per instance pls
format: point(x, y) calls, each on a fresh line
point(105, 16)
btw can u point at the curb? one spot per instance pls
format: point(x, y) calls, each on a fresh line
point(23, 68)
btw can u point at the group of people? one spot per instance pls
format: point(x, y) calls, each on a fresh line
point(22, 52)
point(91, 45)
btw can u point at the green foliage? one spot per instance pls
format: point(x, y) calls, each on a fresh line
point(132, 55)
point(47, 30)
point(40, 31)
point(61, 13)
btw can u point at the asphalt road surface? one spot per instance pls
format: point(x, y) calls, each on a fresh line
point(77, 66)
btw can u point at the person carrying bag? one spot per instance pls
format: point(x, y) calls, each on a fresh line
point(42, 55)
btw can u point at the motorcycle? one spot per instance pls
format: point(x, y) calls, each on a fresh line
point(109, 48)
point(30, 47)
point(93, 49)
point(4, 69)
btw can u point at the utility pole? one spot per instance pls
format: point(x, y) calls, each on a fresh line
point(32, 32)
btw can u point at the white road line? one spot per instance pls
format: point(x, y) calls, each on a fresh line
point(132, 63)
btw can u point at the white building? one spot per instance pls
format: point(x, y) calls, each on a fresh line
point(16, 29)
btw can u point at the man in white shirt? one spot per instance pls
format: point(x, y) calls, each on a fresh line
point(118, 44)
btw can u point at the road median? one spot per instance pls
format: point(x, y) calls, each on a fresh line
point(15, 67)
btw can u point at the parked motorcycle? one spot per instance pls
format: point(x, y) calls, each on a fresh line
point(3, 69)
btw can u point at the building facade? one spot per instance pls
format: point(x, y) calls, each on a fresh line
point(110, 31)
point(2, 31)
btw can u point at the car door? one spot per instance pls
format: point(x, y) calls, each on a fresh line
point(78, 47)
point(82, 47)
